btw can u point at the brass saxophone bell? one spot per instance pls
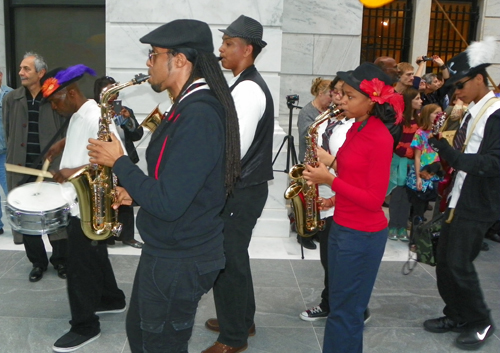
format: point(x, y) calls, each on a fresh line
point(153, 120)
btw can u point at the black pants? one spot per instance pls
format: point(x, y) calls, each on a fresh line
point(36, 253)
point(233, 289)
point(164, 300)
point(323, 256)
point(458, 284)
point(91, 280)
point(126, 218)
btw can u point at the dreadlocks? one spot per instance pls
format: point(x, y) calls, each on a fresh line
point(206, 65)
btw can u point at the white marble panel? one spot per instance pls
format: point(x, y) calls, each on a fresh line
point(124, 50)
point(322, 17)
point(335, 53)
point(492, 8)
point(295, 84)
point(268, 12)
point(490, 28)
point(297, 56)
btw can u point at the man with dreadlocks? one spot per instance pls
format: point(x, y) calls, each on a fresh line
point(233, 290)
point(193, 161)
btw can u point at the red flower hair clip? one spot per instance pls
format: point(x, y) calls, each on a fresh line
point(49, 86)
point(381, 93)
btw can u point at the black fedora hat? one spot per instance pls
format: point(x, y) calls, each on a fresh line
point(468, 63)
point(246, 28)
point(180, 34)
point(366, 71)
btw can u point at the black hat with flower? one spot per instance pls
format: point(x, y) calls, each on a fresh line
point(371, 81)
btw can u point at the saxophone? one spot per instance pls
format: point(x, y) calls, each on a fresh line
point(304, 197)
point(95, 184)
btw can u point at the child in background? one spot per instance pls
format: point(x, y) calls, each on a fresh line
point(399, 207)
point(422, 190)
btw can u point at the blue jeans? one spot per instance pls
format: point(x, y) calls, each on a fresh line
point(3, 182)
point(353, 261)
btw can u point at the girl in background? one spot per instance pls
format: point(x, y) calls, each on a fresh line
point(402, 159)
point(423, 187)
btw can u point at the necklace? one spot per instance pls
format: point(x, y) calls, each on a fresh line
point(315, 106)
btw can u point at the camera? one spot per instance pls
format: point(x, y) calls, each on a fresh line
point(426, 58)
point(292, 98)
point(117, 106)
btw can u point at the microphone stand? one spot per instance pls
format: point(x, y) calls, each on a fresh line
point(290, 152)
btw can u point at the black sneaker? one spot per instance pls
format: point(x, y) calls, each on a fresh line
point(473, 339)
point(72, 341)
point(108, 309)
point(443, 324)
point(314, 314)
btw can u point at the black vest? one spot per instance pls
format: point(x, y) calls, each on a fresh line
point(256, 165)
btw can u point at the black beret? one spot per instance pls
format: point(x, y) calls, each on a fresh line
point(181, 34)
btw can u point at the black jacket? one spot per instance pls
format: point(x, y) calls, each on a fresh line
point(183, 194)
point(480, 195)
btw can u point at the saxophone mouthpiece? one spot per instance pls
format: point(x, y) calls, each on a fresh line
point(140, 78)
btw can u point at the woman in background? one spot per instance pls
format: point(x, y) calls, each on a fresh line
point(129, 131)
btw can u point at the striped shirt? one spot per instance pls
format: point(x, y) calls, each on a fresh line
point(33, 147)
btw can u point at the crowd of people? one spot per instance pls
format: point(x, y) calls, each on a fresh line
point(382, 142)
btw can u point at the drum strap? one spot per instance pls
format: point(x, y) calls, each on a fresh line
point(37, 161)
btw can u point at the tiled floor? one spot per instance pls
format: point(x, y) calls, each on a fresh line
point(34, 315)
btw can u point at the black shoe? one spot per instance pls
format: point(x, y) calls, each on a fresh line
point(72, 341)
point(485, 246)
point(494, 237)
point(367, 315)
point(36, 274)
point(472, 339)
point(1, 231)
point(61, 271)
point(133, 243)
point(111, 309)
point(307, 243)
point(443, 324)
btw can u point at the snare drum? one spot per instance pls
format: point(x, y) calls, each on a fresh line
point(37, 208)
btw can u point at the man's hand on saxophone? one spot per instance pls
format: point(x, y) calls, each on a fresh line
point(318, 175)
point(105, 152)
point(122, 197)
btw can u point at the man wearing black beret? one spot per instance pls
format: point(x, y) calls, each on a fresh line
point(233, 290)
point(193, 161)
point(474, 204)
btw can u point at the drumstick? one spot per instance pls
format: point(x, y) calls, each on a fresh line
point(25, 170)
point(44, 169)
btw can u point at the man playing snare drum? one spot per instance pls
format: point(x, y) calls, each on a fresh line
point(29, 127)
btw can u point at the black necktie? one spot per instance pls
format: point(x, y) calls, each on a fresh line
point(328, 132)
point(459, 140)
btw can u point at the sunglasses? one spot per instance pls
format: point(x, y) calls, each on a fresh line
point(460, 85)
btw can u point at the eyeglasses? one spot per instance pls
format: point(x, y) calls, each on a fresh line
point(460, 85)
point(337, 92)
point(152, 53)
